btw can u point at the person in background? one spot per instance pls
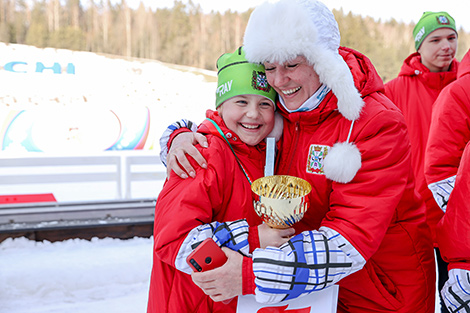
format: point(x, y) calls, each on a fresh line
point(454, 241)
point(217, 203)
point(422, 77)
point(447, 171)
point(449, 133)
point(366, 229)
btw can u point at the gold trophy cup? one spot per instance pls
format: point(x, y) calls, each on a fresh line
point(281, 200)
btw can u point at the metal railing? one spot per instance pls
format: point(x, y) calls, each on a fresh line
point(123, 185)
point(51, 173)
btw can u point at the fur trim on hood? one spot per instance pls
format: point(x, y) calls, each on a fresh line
point(279, 32)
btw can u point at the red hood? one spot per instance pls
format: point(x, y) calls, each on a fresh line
point(366, 78)
point(207, 127)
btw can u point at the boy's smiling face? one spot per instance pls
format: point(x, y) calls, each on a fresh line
point(438, 49)
point(250, 117)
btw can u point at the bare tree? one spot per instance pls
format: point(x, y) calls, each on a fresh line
point(106, 21)
point(128, 22)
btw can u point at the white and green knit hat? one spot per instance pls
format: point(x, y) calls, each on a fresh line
point(237, 76)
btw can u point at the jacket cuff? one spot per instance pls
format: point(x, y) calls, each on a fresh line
point(253, 238)
point(459, 265)
point(248, 277)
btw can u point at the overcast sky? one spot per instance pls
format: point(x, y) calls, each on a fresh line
point(401, 10)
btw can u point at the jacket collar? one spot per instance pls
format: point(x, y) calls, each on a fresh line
point(412, 66)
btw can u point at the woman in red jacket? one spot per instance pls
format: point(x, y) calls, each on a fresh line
point(422, 77)
point(366, 228)
point(217, 203)
point(453, 237)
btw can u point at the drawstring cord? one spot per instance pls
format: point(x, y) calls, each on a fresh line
point(350, 131)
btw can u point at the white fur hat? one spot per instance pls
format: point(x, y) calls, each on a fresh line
point(282, 30)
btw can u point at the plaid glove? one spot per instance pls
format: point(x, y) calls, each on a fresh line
point(456, 291)
point(310, 261)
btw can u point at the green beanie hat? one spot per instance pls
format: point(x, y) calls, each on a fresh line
point(236, 76)
point(429, 22)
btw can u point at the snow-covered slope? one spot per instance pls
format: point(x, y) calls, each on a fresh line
point(57, 81)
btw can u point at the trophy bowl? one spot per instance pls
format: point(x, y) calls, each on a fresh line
point(281, 200)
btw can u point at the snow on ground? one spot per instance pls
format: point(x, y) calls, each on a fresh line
point(75, 276)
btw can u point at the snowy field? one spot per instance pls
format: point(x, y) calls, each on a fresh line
point(75, 276)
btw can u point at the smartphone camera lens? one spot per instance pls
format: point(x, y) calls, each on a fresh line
point(196, 266)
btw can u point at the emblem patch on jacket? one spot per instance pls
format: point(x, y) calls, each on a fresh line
point(316, 157)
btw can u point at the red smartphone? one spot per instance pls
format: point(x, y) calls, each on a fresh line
point(207, 256)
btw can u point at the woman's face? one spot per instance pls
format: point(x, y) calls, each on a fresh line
point(251, 117)
point(295, 81)
point(438, 49)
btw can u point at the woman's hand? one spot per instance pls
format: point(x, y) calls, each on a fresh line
point(273, 237)
point(225, 282)
point(181, 145)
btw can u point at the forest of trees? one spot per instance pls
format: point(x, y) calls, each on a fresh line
point(182, 34)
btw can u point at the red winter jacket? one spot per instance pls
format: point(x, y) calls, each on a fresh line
point(378, 212)
point(454, 228)
point(414, 92)
point(450, 127)
point(219, 193)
